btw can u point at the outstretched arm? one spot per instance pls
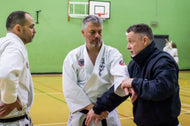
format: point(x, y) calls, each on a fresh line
point(108, 101)
point(104, 105)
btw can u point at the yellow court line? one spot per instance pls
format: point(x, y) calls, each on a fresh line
point(186, 105)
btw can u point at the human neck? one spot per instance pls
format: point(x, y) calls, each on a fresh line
point(93, 53)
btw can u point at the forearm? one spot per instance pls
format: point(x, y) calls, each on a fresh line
point(8, 89)
point(108, 101)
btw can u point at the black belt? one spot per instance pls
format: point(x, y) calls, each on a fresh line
point(13, 119)
point(104, 123)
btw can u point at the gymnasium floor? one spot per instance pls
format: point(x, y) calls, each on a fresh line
point(50, 108)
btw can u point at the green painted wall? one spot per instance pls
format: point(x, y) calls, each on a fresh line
point(56, 36)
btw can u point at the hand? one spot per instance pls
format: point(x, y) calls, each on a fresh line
point(166, 40)
point(103, 115)
point(126, 91)
point(89, 107)
point(134, 95)
point(5, 109)
point(127, 83)
point(91, 115)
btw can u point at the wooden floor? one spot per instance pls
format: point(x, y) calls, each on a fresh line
point(50, 108)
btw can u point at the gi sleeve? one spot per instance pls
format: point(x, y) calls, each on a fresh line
point(118, 70)
point(168, 47)
point(164, 82)
point(74, 95)
point(11, 65)
point(108, 102)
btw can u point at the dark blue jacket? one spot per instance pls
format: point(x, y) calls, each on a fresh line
point(155, 76)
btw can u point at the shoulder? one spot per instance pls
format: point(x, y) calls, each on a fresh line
point(163, 59)
point(75, 53)
point(111, 50)
point(163, 56)
point(9, 45)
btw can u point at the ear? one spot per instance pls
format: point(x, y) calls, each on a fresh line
point(146, 40)
point(82, 31)
point(17, 28)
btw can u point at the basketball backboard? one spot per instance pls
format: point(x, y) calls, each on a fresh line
point(100, 9)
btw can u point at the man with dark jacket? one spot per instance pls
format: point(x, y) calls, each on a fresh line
point(153, 76)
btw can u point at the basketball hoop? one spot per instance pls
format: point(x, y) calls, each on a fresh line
point(101, 15)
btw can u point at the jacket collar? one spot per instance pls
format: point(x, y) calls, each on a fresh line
point(10, 34)
point(141, 58)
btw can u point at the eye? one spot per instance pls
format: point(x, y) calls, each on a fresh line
point(31, 26)
point(92, 32)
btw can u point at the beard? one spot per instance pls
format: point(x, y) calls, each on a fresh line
point(96, 43)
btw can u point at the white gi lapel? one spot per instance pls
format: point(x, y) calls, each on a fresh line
point(89, 67)
point(92, 86)
point(100, 62)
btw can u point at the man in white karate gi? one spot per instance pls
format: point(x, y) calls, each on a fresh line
point(16, 87)
point(89, 71)
point(171, 48)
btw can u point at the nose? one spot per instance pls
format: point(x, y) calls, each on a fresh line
point(34, 30)
point(97, 35)
point(128, 46)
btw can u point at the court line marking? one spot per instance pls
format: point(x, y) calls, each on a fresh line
point(185, 105)
point(127, 117)
point(50, 124)
point(186, 91)
point(48, 86)
point(184, 88)
point(43, 92)
point(131, 118)
point(50, 95)
point(185, 110)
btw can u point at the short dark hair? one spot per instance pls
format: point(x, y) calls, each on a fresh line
point(16, 17)
point(142, 29)
point(91, 18)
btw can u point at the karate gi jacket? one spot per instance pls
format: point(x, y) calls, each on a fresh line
point(172, 51)
point(15, 76)
point(83, 82)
